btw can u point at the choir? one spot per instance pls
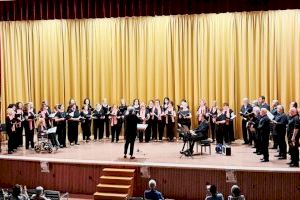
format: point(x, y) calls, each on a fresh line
point(259, 122)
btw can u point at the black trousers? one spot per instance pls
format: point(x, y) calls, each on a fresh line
point(73, 132)
point(212, 130)
point(275, 140)
point(258, 141)
point(148, 131)
point(193, 139)
point(107, 121)
point(154, 129)
point(119, 129)
point(265, 145)
point(294, 151)
point(11, 141)
point(129, 141)
point(245, 131)
point(170, 130)
point(86, 130)
point(226, 133)
point(98, 129)
point(53, 139)
point(114, 133)
point(281, 142)
point(19, 136)
point(29, 134)
point(61, 133)
point(219, 134)
point(161, 128)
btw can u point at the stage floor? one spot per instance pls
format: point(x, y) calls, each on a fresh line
point(156, 154)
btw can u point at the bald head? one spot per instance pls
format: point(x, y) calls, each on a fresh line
point(293, 111)
point(263, 111)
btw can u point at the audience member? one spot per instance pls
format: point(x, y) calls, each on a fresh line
point(152, 193)
point(214, 195)
point(39, 194)
point(19, 193)
point(236, 193)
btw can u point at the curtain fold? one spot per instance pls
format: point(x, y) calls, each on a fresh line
point(222, 57)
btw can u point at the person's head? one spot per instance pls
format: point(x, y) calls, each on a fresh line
point(143, 106)
point(104, 101)
point(86, 101)
point(263, 111)
point(225, 105)
point(19, 105)
point(10, 112)
point(73, 107)
point(275, 103)
point(30, 105)
point(280, 109)
point(17, 189)
point(152, 184)
point(214, 103)
point(256, 110)
point(13, 106)
point(151, 103)
point(219, 111)
point(72, 101)
point(98, 106)
point(255, 103)
point(123, 102)
point(60, 108)
point(235, 191)
point(114, 107)
point(293, 112)
point(39, 191)
point(245, 101)
point(41, 122)
point(45, 102)
point(171, 105)
point(184, 105)
point(213, 190)
point(261, 99)
point(202, 102)
point(136, 102)
point(293, 104)
point(130, 110)
point(157, 103)
point(166, 100)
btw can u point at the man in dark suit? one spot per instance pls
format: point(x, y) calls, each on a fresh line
point(200, 133)
point(264, 131)
point(131, 121)
point(293, 137)
point(245, 110)
point(152, 193)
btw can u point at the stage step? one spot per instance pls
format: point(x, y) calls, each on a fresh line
point(113, 188)
point(118, 180)
point(115, 183)
point(118, 172)
point(109, 196)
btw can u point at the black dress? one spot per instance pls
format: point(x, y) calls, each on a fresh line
point(73, 126)
point(86, 124)
point(61, 128)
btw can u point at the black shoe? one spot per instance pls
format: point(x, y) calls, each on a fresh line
point(10, 152)
point(264, 160)
point(294, 165)
point(125, 156)
point(132, 157)
point(77, 144)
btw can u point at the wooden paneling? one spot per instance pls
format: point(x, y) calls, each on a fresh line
point(178, 183)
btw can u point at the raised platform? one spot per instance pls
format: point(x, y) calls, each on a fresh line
point(77, 169)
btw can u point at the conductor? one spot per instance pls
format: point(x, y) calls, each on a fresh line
point(131, 121)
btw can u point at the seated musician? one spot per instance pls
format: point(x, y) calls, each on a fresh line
point(200, 133)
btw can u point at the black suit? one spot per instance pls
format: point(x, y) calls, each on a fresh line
point(244, 111)
point(293, 124)
point(264, 131)
point(280, 129)
point(201, 134)
point(131, 121)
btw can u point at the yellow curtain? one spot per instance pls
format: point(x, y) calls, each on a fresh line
point(222, 57)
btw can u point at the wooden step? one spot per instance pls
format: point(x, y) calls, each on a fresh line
point(109, 196)
point(112, 188)
point(117, 180)
point(118, 172)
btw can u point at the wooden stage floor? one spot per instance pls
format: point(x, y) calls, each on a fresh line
point(156, 154)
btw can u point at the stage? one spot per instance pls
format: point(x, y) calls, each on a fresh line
point(162, 161)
